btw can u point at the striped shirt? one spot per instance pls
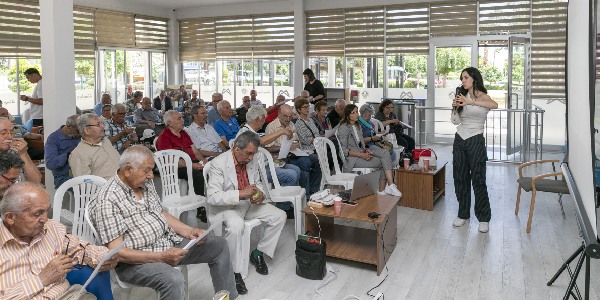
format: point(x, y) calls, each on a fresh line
point(111, 129)
point(115, 212)
point(21, 263)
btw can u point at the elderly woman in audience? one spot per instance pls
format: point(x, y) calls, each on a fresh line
point(387, 117)
point(320, 117)
point(370, 137)
point(359, 156)
point(307, 131)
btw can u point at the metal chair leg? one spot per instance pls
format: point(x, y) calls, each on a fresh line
point(561, 205)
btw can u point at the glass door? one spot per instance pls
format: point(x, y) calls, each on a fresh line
point(518, 94)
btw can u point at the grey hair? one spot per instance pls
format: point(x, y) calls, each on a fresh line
point(72, 121)
point(137, 94)
point(170, 116)
point(338, 101)
point(255, 111)
point(15, 196)
point(217, 95)
point(220, 104)
point(9, 160)
point(245, 138)
point(83, 120)
point(194, 110)
point(134, 156)
point(366, 108)
point(115, 108)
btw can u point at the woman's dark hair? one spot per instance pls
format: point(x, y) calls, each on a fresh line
point(477, 79)
point(310, 74)
point(384, 103)
point(319, 105)
point(347, 110)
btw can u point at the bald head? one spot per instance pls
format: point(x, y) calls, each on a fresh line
point(304, 94)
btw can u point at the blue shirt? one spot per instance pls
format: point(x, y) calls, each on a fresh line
point(229, 128)
point(98, 109)
point(367, 132)
point(56, 153)
point(213, 116)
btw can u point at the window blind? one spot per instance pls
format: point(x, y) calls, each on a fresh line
point(325, 33)
point(364, 31)
point(115, 29)
point(453, 18)
point(197, 39)
point(273, 35)
point(19, 28)
point(504, 16)
point(407, 29)
point(233, 37)
point(548, 48)
point(84, 33)
point(151, 32)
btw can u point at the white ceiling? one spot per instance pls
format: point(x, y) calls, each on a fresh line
point(180, 4)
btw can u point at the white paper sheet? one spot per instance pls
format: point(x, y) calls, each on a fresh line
point(329, 133)
point(106, 257)
point(194, 241)
point(299, 152)
point(285, 148)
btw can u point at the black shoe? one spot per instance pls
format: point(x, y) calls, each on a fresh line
point(290, 213)
point(201, 214)
point(259, 262)
point(240, 286)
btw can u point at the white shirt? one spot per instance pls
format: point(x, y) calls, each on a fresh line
point(37, 111)
point(471, 119)
point(206, 139)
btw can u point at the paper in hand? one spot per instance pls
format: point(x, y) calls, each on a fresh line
point(194, 241)
point(329, 133)
point(285, 148)
point(405, 125)
point(108, 255)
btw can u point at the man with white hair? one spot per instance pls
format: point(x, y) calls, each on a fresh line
point(253, 99)
point(213, 113)
point(127, 208)
point(95, 154)
point(105, 99)
point(337, 113)
point(226, 126)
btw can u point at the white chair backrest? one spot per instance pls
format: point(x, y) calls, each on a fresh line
point(154, 143)
point(167, 162)
point(271, 165)
point(84, 188)
point(321, 145)
point(337, 140)
point(379, 128)
point(88, 221)
point(231, 142)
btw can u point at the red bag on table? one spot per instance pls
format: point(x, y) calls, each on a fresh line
point(417, 153)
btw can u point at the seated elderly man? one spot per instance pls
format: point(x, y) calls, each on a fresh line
point(19, 146)
point(162, 102)
point(194, 101)
point(128, 208)
point(105, 99)
point(253, 99)
point(289, 175)
point(133, 103)
point(174, 137)
point(204, 136)
point(147, 114)
point(95, 154)
point(37, 253)
point(226, 126)
point(337, 113)
point(242, 110)
point(213, 113)
point(58, 148)
point(181, 96)
point(11, 166)
point(117, 131)
point(235, 194)
point(19, 130)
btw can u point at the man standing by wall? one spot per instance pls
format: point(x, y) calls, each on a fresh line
point(37, 101)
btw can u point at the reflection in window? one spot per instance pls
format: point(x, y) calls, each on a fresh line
point(84, 83)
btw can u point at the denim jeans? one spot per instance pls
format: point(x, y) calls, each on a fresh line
point(310, 177)
point(287, 176)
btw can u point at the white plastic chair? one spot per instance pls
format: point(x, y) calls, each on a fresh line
point(344, 179)
point(354, 170)
point(242, 260)
point(173, 200)
point(294, 194)
point(84, 188)
point(126, 287)
point(379, 128)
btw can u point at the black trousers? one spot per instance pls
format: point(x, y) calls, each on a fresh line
point(198, 179)
point(469, 158)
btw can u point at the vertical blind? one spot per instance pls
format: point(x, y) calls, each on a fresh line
point(548, 49)
point(325, 33)
point(251, 36)
point(84, 32)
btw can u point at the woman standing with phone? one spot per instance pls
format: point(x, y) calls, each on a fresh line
point(469, 150)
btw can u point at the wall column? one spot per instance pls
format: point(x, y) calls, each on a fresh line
point(299, 46)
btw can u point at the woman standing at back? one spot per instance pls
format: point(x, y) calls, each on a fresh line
point(470, 109)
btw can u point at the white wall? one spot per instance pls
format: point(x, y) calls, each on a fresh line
point(579, 123)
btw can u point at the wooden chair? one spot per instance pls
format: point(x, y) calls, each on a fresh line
point(541, 183)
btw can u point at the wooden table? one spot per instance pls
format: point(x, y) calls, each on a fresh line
point(419, 189)
point(358, 244)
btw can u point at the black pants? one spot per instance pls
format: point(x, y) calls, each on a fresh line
point(198, 179)
point(469, 158)
point(404, 140)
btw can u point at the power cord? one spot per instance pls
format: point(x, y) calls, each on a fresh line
point(384, 253)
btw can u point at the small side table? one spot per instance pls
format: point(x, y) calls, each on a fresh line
point(419, 189)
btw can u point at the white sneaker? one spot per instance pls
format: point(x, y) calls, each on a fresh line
point(458, 222)
point(382, 193)
point(392, 190)
point(484, 227)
